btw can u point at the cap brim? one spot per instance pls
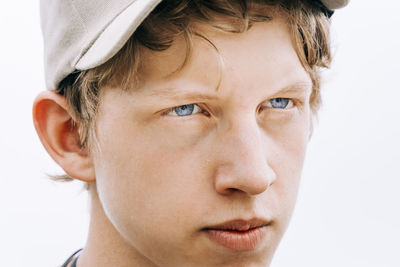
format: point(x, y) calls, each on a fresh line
point(116, 34)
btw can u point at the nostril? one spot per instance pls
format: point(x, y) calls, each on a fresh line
point(233, 189)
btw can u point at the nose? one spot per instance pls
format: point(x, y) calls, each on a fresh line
point(244, 161)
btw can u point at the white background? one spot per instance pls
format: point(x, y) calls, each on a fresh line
point(348, 211)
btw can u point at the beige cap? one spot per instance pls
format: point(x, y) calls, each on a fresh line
point(83, 34)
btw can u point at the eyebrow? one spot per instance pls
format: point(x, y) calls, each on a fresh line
point(300, 87)
point(181, 94)
point(172, 93)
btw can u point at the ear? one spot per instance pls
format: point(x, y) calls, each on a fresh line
point(59, 135)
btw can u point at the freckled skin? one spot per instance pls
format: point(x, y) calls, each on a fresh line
point(161, 179)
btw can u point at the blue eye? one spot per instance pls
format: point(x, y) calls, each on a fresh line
point(279, 103)
point(184, 110)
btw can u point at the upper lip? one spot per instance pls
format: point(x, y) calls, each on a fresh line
point(239, 225)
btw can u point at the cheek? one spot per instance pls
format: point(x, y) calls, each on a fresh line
point(290, 145)
point(151, 173)
point(290, 137)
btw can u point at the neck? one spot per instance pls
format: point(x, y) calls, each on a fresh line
point(105, 246)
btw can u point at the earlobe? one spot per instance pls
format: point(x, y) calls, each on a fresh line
point(58, 132)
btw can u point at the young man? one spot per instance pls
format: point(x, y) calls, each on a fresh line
point(187, 120)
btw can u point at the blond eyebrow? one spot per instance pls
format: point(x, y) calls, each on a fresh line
point(301, 87)
point(175, 93)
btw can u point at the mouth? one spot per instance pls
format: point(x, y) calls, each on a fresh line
point(239, 235)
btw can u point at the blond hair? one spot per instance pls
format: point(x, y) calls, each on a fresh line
point(171, 19)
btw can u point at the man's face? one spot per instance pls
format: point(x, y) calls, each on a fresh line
point(201, 167)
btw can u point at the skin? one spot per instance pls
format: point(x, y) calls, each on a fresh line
point(159, 179)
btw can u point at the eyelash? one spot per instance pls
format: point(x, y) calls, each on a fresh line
point(291, 104)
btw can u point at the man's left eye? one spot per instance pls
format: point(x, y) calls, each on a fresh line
point(279, 103)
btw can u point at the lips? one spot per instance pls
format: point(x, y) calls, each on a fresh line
point(239, 235)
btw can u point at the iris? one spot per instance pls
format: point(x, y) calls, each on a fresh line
point(184, 110)
point(279, 102)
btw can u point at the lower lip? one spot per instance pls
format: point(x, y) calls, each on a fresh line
point(236, 240)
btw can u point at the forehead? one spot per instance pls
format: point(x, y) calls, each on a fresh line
point(265, 49)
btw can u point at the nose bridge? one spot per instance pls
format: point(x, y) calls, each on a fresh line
point(243, 135)
point(245, 160)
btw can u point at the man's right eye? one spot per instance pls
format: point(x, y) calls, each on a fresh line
point(184, 110)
